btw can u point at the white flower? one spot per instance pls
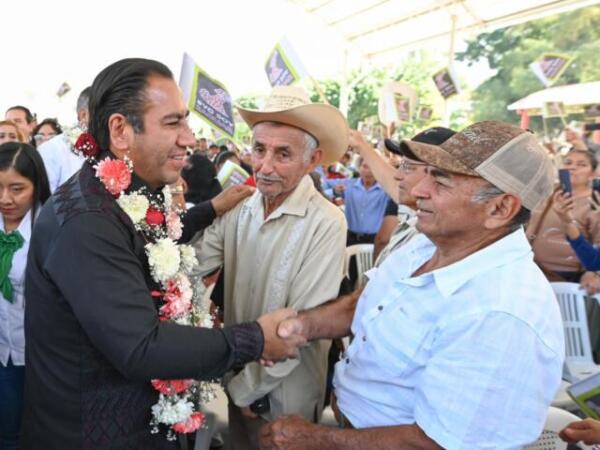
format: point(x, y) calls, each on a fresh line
point(172, 409)
point(168, 197)
point(135, 206)
point(164, 259)
point(188, 257)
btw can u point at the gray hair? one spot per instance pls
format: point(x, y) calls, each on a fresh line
point(83, 100)
point(491, 191)
point(310, 145)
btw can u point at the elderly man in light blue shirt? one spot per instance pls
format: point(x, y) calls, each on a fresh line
point(458, 337)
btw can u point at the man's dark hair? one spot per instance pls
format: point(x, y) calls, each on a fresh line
point(120, 88)
point(28, 116)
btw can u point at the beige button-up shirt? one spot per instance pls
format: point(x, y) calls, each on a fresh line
point(293, 258)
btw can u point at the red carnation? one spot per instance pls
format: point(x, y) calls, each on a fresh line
point(171, 387)
point(114, 174)
point(195, 421)
point(87, 145)
point(154, 217)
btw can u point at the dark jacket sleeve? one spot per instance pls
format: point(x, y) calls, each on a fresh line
point(586, 252)
point(93, 264)
point(197, 219)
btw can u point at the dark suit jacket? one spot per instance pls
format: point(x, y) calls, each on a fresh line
point(93, 336)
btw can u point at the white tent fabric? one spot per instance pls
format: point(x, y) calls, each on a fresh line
point(571, 95)
point(382, 29)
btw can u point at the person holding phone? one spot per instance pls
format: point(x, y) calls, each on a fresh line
point(546, 232)
point(564, 206)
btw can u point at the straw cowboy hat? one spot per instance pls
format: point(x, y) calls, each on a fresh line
point(290, 105)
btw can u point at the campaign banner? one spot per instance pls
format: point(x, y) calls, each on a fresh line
point(397, 103)
point(403, 108)
point(425, 112)
point(445, 82)
point(232, 174)
point(550, 66)
point(207, 97)
point(63, 89)
point(283, 66)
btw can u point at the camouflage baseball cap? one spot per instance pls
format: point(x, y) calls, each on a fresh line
point(505, 155)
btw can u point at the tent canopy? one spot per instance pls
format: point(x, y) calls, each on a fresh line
point(572, 96)
point(380, 30)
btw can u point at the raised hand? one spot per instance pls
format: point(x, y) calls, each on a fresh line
point(230, 197)
point(563, 205)
point(277, 348)
point(358, 142)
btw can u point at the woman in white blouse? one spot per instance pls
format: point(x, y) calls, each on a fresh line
point(23, 189)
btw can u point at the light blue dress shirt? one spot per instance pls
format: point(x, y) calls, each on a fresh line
point(12, 315)
point(471, 352)
point(364, 208)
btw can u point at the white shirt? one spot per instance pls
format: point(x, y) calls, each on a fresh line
point(471, 352)
point(60, 161)
point(12, 336)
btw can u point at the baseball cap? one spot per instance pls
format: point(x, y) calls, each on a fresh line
point(434, 136)
point(503, 154)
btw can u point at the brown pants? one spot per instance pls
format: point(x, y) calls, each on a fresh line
point(243, 432)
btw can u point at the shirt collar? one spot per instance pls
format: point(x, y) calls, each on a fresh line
point(24, 227)
point(502, 252)
point(296, 204)
point(374, 187)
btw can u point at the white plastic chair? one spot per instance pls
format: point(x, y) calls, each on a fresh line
point(557, 419)
point(578, 349)
point(363, 254)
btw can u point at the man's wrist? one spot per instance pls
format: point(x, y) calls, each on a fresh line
point(247, 342)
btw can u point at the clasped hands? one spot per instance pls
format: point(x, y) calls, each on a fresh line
point(283, 335)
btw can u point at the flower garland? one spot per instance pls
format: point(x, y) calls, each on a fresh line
point(171, 266)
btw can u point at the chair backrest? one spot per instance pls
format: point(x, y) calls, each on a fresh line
point(364, 258)
point(557, 419)
point(571, 301)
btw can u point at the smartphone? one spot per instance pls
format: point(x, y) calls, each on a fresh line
point(564, 178)
point(595, 193)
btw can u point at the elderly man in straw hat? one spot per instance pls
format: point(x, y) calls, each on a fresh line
point(284, 246)
point(458, 337)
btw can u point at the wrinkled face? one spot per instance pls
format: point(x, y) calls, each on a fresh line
point(20, 118)
point(278, 159)
point(45, 133)
point(16, 195)
point(580, 168)
point(8, 133)
point(159, 152)
point(445, 202)
point(409, 173)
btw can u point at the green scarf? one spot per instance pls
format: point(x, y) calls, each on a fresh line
point(9, 244)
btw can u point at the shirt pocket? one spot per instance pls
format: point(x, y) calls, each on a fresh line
point(398, 349)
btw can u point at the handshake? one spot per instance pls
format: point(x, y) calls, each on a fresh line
point(284, 333)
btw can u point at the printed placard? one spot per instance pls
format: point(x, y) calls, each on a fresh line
point(283, 67)
point(550, 66)
point(445, 83)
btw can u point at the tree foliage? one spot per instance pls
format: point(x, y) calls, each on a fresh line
point(511, 50)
